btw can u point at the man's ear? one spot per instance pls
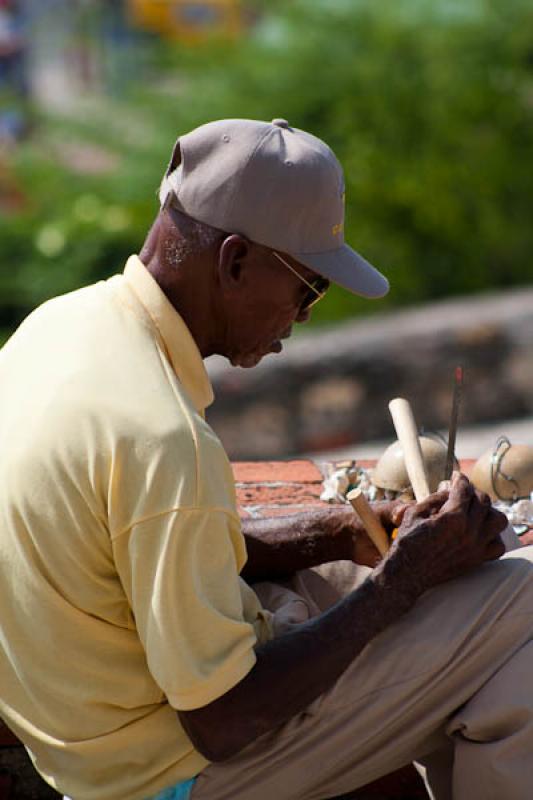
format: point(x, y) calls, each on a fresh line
point(231, 258)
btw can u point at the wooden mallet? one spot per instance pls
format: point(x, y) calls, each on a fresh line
point(371, 522)
point(404, 423)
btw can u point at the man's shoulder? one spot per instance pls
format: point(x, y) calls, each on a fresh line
point(61, 319)
point(85, 362)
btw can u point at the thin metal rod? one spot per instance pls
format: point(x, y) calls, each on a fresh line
point(452, 432)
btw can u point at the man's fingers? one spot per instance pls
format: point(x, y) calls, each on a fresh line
point(426, 508)
point(461, 493)
point(495, 522)
point(495, 549)
point(398, 514)
point(477, 514)
point(484, 498)
point(365, 551)
point(432, 503)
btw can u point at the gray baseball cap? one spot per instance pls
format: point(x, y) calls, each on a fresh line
point(276, 185)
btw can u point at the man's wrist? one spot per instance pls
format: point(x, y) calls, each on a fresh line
point(330, 532)
point(397, 581)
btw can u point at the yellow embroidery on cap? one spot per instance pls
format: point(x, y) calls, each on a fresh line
point(337, 228)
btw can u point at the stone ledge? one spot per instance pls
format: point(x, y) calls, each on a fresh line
point(330, 388)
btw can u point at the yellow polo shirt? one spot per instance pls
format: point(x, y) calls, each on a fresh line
point(120, 545)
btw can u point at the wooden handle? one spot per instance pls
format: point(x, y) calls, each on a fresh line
point(406, 431)
point(373, 526)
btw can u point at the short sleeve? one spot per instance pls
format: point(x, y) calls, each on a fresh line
point(180, 572)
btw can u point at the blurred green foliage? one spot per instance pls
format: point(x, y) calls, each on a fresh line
point(428, 105)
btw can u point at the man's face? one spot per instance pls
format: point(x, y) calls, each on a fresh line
point(269, 299)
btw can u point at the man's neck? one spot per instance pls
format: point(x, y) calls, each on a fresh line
point(190, 297)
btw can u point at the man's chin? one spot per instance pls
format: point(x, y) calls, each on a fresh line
point(245, 361)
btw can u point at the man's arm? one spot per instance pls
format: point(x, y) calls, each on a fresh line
point(294, 669)
point(437, 541)
point(280, 546)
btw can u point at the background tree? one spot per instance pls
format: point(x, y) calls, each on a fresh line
point(428, 105)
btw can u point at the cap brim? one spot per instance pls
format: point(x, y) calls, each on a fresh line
point(348, 269)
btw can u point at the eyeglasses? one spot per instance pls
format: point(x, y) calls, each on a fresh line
point(317, 289)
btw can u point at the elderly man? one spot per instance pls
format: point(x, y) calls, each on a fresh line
point(150, 645)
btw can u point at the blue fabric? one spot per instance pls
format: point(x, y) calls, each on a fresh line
point(181, 791)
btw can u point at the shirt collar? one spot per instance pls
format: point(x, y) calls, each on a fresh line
point(176, 338)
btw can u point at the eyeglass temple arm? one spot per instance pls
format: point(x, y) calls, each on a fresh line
point(318, 294)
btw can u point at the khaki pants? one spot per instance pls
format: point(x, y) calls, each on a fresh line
point(450, 685)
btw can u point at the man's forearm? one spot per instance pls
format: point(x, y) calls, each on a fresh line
point(280, 546)
point(281, 684)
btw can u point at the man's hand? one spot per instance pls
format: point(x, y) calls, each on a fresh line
point(390, 514)
point(446, 535)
